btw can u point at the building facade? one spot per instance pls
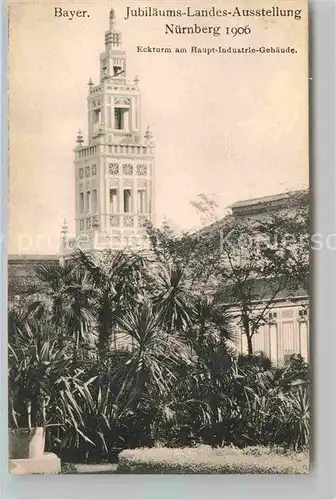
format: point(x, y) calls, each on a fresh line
point(284, 334)
point(286, 331)
point(114, 170)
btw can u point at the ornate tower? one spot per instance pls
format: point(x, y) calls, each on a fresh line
point(115, 170)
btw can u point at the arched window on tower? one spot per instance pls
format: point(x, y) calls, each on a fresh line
point(127, 200)
point(121, 119)
point(117, 70)
point(87, 202)
point(141, 202)
point(94, 201)
point(81, 203)
point(113, 201)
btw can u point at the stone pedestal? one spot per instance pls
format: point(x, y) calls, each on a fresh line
point(49, 463)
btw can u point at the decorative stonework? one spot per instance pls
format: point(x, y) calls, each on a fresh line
point(142, 220)
point(113, 169)
point(128, 169)
point(81, 225)
point(141, 169)
point(94, 170)
point(128, 220)
point(121, 102)
point(88, 223)
point(87, 171)
point(81, 173)
point(302, 316)
point(114, 220)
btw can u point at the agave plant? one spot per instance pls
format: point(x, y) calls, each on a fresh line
point(150, 367)
point(291, 418)
point(99, 419)
point(45, 388)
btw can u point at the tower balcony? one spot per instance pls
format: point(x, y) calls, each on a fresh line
point(86, 152)
point(114, 86)
point(116, 149)
point(129, 149)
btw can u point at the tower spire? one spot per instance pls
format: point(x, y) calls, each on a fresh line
point(112, 36)
point(112, 20)
point(113, 60)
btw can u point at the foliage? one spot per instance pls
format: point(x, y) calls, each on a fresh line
point(207, 208)
point(117, 281)
point(45, 387)
point(67, 298)
point(289, 230)
point(172, 299)
point(293, 374)
point(176, 379)
point(261, 259)
point(197, 256)
point(205, 460)
point(250, 283)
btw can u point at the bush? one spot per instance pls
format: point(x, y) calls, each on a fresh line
point(206, 460)
point(181, 384)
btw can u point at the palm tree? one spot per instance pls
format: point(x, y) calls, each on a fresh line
point(118, 284)
point(211, 335)
point(172, 299)
point(66, 297)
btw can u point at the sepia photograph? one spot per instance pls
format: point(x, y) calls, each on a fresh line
point(158, 237)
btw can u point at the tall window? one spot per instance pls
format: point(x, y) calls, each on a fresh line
point(81, 203)
point(94, 201)
point(141, 203)
point(113, 201)
point(127, 200)
point(116, 70)
point(87, 202)
point(96, 116)
point(118, 118)
point(121, 119)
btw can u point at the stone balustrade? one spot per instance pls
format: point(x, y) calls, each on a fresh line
point(119, 149)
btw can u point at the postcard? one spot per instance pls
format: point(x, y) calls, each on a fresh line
point(158, 260)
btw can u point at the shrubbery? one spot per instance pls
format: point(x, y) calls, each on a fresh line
point(204, 460)
point(180, 383)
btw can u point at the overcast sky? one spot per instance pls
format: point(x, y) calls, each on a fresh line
point(233, 126)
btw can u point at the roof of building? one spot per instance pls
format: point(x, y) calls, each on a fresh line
point(32, 257)
point(266, 199)
point(262, 289)
point(253, 206)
